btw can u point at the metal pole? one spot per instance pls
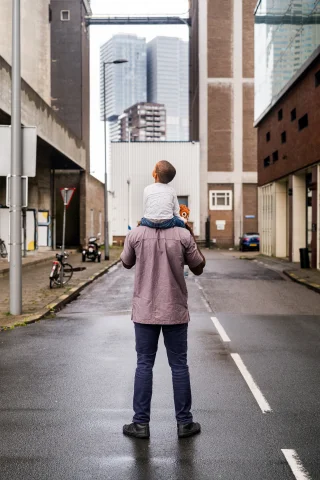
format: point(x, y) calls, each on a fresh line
point(106, 219)
point(64, 222)
point(16, 168)
point(129, 180)
point(24, 222)
point(63, 234)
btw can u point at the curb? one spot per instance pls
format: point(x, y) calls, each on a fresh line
point(61, 301)
point(312, 286)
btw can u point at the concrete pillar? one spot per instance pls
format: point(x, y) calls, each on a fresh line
point(299, 215)
point(281, 219)
point(314, 187)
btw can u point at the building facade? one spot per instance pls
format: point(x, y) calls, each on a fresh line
point(168, 83)
point(122, 85)
point(288, 129)
point(62, 141)
point(222, 115)
point(144, 122)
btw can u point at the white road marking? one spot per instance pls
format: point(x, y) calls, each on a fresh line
point(256, 392)
point(220, 330)
point(206, 304)
point(295, 464)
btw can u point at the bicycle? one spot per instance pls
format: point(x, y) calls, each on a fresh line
point(60, 269)
point(3, 249)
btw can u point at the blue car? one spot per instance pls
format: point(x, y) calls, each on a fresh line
point(250, 241)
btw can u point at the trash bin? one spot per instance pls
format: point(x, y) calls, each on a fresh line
point(304, 258)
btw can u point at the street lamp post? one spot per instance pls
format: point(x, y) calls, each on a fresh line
point(106, 219)
point(16, 167)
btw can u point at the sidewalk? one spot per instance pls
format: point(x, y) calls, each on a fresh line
point(37, 298)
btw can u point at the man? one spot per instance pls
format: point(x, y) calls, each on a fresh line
point(160, 303)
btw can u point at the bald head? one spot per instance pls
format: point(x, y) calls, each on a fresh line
point(165, 171)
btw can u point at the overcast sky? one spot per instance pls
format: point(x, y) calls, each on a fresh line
point(100, 34)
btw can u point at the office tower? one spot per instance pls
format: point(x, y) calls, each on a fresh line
point(168, 83)
point(124, 84)
point(145, 121)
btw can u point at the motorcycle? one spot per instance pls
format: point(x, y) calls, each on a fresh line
point(92, 250)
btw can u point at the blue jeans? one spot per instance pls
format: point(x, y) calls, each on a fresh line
point(176, 343)
point(173, 222)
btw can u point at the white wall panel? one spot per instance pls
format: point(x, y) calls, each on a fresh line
point(136, 161)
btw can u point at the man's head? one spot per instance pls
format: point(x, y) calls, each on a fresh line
point(164, 172)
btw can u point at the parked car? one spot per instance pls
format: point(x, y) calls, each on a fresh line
point(250, 241)
point(92, 250)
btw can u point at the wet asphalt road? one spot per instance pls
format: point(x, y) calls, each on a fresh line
point(66, 385)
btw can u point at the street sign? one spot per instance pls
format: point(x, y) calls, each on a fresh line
point(67, 194)
point(250, 216)
point(24, 193)
point(29, 151)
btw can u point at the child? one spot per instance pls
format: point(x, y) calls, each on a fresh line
point(160, 203)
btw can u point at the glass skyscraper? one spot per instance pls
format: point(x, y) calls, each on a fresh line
point(287, 32)
point(168, 83)
point(126, 84)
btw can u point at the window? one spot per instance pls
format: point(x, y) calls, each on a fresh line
point(317, 78)
point(65, 15)
point(268, 136)
point(283, 137)
point(275, 156)
point(266, 162)
point(280, 114)
point(220, 199)
point(183, 200)
point(293, 114)
point(303, 122)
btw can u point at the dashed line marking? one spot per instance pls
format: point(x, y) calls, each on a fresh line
point(255, 390)
point(206, 304)
point(295, 464)
point(220, 330)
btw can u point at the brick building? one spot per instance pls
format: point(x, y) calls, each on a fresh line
point(288, 116)
point(146, 122)
point(222, 114)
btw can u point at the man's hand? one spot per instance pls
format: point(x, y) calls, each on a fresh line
point(128, 267)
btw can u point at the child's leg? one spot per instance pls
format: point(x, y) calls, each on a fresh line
point(178, 222)
point(162, 225)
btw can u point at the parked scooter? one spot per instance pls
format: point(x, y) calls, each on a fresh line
point(92, 250)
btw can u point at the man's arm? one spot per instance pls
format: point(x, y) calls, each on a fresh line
point(194, 256)
point(128, 256)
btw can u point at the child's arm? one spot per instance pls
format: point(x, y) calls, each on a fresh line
point(176, 206)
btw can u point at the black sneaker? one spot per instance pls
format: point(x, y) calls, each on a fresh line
point(137, 430)
point(188, 429)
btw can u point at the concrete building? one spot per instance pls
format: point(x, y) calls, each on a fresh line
point(126, 84)
point(288, 138)
point(168, 83)
point(144, 122)
point(138, 161)
point(222, 114)
point(60, 146)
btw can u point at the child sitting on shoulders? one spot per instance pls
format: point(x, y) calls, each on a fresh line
point(160, 202)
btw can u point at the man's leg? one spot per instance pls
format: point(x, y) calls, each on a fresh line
point(176, 342)
point(147, 337)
